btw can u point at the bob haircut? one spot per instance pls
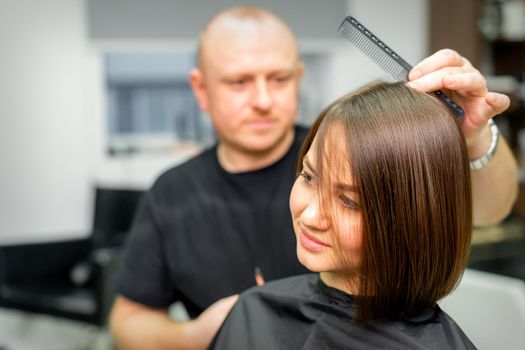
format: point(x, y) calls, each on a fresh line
point(409, 162)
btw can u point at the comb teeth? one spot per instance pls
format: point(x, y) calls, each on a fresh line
point(357, 34)
point(386, 58)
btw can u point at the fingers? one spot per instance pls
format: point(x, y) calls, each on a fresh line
point(472, 82)
point(259, 278)
point(441, 59)
point(498, 102)
point(446, 69)
point(433, 81)
point(488, 107)
point(452, 79)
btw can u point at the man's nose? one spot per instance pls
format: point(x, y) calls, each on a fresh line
point(262, 99)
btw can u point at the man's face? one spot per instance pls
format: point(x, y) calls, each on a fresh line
point(250, 89)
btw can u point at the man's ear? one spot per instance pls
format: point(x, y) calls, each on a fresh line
point(196, 81)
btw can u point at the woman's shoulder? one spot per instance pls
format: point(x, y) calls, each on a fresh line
point(281, 291)
point(289, 285)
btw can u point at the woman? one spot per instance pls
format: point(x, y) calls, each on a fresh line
point(381, 210)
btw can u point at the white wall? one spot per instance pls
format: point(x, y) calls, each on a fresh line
point(44, 176)
point(401, 24)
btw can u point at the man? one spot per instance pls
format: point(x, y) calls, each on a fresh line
point(205, 225)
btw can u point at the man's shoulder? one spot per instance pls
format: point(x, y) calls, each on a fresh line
point(193, 166)
point(184, 177)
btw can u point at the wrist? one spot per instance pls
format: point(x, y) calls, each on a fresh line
point(478, 144)
point(482, 152)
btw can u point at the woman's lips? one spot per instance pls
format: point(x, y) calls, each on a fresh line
point(310, 242)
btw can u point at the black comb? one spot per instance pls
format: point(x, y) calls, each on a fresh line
point(386, 58)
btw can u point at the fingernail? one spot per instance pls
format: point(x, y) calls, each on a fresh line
point(414, 74)
point(492, 97)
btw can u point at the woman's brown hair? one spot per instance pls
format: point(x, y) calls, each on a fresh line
point(409, 163)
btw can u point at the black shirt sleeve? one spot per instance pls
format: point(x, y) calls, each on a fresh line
point(143, 275)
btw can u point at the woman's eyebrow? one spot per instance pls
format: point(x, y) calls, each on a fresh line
point(308, 164)
point(346, 187)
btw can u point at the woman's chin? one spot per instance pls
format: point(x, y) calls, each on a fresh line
point(312, 263)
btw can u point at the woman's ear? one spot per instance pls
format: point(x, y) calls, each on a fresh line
point(196, 81)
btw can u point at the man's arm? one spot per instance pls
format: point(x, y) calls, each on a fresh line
point(137, 327)
point(495, 186)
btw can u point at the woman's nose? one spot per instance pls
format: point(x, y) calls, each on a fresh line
point(314, 215)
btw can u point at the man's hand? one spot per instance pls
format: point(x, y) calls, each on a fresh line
point(448, 71)
point(208, 323)
point(259, 278)
point(494, 188)
point(137, 327)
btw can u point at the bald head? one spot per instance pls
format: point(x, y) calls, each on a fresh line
point(243, 23)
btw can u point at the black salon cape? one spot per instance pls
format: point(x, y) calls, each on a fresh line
point(303, 313)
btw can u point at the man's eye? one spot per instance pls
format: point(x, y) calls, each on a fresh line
point(238, 82)
point(281, 79)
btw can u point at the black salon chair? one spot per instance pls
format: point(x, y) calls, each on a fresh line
point(73, 278)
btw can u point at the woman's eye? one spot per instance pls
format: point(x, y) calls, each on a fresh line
point(347, 202)
point(307, 177)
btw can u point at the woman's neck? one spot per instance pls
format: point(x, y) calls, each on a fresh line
point(340, 281)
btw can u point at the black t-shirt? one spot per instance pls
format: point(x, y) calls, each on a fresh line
point(302, 312)
point(200, 232)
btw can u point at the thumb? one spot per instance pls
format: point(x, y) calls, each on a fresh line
point(498, 102)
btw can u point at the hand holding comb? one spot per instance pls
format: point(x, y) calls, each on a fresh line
point(386, 58)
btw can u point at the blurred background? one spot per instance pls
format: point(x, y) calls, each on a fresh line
point(95, 104)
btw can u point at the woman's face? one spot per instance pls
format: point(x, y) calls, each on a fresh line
point(317, 230)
